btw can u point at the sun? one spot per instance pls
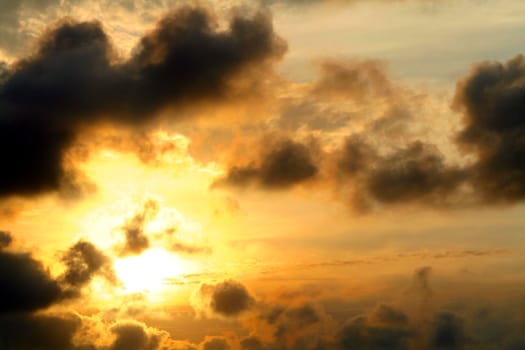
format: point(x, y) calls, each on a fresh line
point(148, 272)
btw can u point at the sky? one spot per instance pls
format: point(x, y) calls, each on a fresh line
point(262, 175)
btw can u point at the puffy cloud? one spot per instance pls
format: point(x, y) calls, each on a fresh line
point(283, 164)
point(133, 336)
point(417, 172)
point(27, 286)
point(75, 80)
point(414, 173)
point(492, 100)
point(228, 298)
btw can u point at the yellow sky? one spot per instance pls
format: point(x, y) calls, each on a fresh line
point(259, 176)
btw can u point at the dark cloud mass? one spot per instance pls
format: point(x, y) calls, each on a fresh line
point(230, 298)
point(414, 173)
point(283, 164)
point(42, 332)
point(492, 99)
point(25, 284)
point(74, 79)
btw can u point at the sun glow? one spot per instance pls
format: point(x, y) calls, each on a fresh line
point(148, 272)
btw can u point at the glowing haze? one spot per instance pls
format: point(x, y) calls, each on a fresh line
point(262, 175)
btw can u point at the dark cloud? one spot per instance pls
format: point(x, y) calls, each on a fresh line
point(133, 336)
point(291, 322)
point(308, 326)
point(283, 164)
point(75, 80)
point(136, 241)
point(83, 261)
point(492, 99)
point(355, 157)
point(414, 173)
point(448, 332)
point(228, 298)
point(25, 284)
point(5, 239)
point(42, 332)
point(28, 287)
point(417, 172)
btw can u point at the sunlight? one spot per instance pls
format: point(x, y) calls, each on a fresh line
point(149, 271)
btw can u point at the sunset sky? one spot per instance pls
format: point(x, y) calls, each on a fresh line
point(262, 175)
